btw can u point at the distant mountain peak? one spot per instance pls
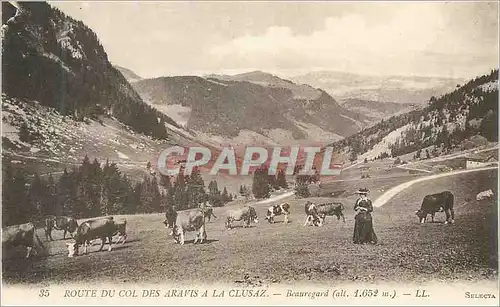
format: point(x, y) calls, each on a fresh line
point(300, 91)
point(254, 73)
point(128, 74)
point(398, 89)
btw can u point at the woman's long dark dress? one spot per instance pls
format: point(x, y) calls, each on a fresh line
point(363, 225)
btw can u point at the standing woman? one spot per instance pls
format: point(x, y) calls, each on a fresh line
point(363, 225)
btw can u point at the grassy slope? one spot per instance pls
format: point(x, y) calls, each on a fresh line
point(64, 142)
point(290, 253)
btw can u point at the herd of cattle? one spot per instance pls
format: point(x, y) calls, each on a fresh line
point(181, 222)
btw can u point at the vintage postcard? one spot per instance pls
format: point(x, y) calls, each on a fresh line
point(277, 153)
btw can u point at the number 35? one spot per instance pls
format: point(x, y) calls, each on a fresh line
point(44, 293)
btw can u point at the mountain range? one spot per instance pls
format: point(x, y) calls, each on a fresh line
point(445, 123)
point(62, 99)
point(397, 89)
point(251, 108)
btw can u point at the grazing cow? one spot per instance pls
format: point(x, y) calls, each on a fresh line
point(100, 228)
point(21, 235)
point(488, 194)
point(281, 209)
point(319, 212)
point(208, 211)
point(189, 221)
point(247, 214)
point(311, 213)
point(330, 209)
point(120, 229)
point(438, 202)
point(65, 223)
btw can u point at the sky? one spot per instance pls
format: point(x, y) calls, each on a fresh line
point(153, 39)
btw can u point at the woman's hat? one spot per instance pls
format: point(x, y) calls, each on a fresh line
point(363, 191)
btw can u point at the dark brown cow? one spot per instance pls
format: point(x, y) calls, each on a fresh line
point(100, 228)
point(65, 223)
point(120, 228)
point(281, 209)
point(21, 235)
point(330, 209)
point(170, 216)
point(208, 211)
point(438, 202)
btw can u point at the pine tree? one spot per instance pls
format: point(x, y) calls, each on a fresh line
point(180, 191)
point(281, 179)
point(225, 196)
point(67, 194)
point(271, 179)
point(165, 181)
point(24, 133)
point(418, 153)
point(195, 188)
point(49, 198)
point(302, 190)
point(13, 196)
point(156, 196)
point(36, 192)
point(260, 184)
point(353, 156)
point(489, 127)
point(214, 195)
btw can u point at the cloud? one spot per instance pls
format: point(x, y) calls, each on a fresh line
point(350, 42)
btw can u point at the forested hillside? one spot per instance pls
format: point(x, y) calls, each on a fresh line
point(58, 61)
point(471, 109)
point(95, 189)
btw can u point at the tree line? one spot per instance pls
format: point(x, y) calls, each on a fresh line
point(188, 191)
point(92, 189)
point(263, 183)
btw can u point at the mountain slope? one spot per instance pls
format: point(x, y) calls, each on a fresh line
point(377, 110)
point(128, 74)
point(398, 89)
point(266, 108)
point(62, 99)
point(445, 123)
point(53, 59)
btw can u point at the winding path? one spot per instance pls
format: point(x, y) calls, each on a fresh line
point(275, 198)
point(384, 198)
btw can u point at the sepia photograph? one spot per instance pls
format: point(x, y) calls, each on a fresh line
point(250, 153)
